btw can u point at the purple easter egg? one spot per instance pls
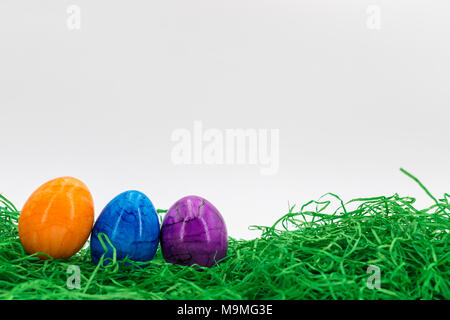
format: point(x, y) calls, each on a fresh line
point(193, 232)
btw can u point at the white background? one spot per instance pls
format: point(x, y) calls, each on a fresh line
point(352, 104)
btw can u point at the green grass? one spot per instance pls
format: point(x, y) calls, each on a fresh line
point(312, 252)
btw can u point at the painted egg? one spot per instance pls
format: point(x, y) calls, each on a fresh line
point(57, 218)
point(193, 232)
point(131, 223)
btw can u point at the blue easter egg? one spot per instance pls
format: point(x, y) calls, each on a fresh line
point(131, 223)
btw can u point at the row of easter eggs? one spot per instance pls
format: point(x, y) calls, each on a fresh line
point(57, 220)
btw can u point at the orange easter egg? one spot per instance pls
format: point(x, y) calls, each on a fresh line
point(57, 218)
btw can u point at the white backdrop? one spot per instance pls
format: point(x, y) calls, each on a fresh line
point(96, 89)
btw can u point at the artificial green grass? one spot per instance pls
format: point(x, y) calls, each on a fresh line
point(311, 252)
